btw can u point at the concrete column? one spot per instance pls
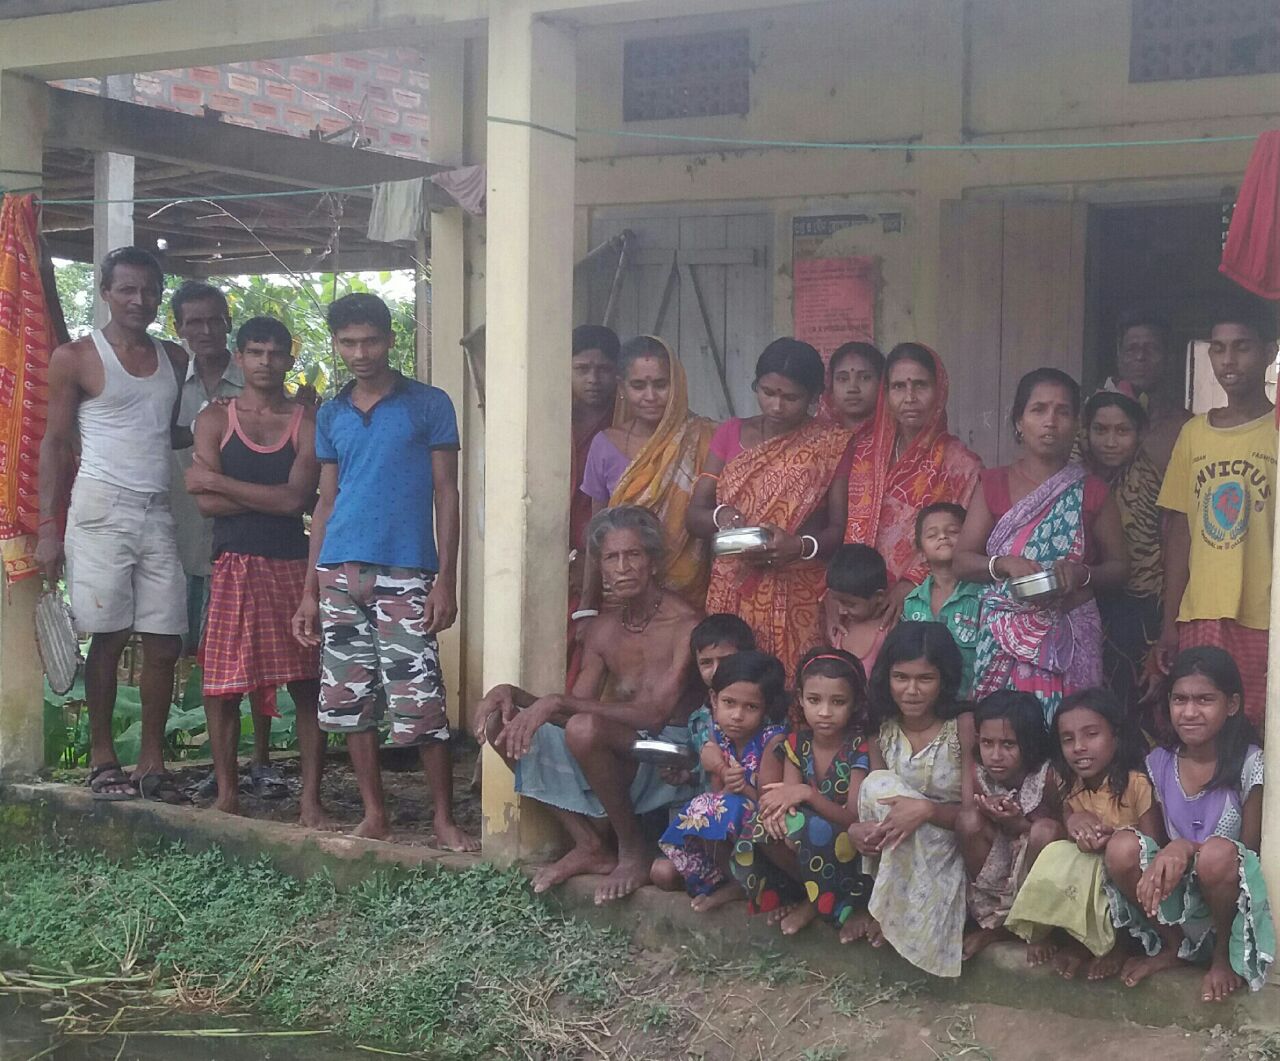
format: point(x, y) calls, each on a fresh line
point(112, 214)
point(445, 68)
point(532, 92)
point(22, 122)
point(1270, 850)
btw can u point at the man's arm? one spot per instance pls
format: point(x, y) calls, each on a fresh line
point(220, 495)
point(56, 457)
point(179, 437)
point(442, 602)
point(306, 620)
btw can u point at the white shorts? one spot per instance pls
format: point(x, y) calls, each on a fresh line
point(123, 568)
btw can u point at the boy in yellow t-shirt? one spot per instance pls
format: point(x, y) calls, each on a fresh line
point(1220, 492)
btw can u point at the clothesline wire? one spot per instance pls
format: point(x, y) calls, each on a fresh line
point(723, 141)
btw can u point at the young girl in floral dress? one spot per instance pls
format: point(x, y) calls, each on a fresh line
point(748, 700)
point(802, 820)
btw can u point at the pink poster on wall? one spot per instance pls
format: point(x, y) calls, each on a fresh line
point(835, 301)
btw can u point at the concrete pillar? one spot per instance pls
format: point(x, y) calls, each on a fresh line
point(23, 106)
point(1270, 850)
point(112, 214)
point(532, 92)
point(445, 68)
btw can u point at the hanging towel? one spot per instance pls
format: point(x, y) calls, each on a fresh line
point(26, 341)
point(1251, 256)
point(398, 212)
point(466, 186)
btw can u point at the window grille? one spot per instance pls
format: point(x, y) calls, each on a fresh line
point(686, 77)
point(1179, 40)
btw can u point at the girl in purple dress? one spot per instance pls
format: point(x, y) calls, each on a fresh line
point(1200, 897)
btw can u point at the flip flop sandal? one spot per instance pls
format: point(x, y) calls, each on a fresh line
point(161, 787)
point(109, 775)
point(268, 782)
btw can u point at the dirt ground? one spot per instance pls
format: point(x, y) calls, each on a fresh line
point(408, 798)
point(735, 1017)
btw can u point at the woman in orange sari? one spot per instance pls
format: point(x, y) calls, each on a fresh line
point(651, 458)
point(788, 472)
point(911, 462)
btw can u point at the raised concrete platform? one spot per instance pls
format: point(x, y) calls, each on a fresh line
point(654, 919)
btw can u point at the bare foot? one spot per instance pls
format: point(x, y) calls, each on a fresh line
point(980, 939)
point(875, 934)
point(578, 862)
point(1070, 958)
point(1109, 964)
point(228, 804)
point(800, 918)
point(372, 829)
point(451, 838)
point(857, 927)
point(775, 915)
point(315, 818)
point(1221, 980)
point(1135, 970)
point(1041, 951)
point(629, 874)
point(722, 896)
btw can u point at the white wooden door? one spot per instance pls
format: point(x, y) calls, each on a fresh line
point(1012, 299)
point(703, 283)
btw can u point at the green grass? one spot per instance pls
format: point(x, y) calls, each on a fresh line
point(458, 965)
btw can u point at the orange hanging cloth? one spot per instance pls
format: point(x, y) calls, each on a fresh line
point(26, 341)
point(1251, 255)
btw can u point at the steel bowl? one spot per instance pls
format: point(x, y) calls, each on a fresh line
point(1029, 587)
point(661, 752)
point(737, 540)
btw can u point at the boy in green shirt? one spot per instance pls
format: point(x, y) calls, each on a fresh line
point(942, 598)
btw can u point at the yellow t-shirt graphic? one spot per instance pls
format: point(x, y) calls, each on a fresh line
point(1224, 480)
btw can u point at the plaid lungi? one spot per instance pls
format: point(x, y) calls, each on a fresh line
point(248, 643)
point(1248, 647)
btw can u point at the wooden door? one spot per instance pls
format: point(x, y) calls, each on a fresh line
point(703, 283)
point(1012, 299)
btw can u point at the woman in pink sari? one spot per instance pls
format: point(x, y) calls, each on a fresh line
point(1040, 513)
point(911, 461)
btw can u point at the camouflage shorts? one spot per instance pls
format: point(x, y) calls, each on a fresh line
point(377, 652)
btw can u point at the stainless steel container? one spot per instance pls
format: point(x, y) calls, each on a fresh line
point(661, 752)
point(1029, 587)
point(737, 540)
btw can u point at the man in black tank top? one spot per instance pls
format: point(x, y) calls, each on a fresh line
point(255, 473)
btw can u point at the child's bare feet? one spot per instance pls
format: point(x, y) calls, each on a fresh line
point(1070, 958)
point(799, 918)
point(578, 861)
point(1135, 970)
point(227, 804)
point(450, 837)
point(1109, 964)
point(722, 896)
point(980, 939)
point(1221, 980)
point(1040, 951)
point(315, 817)
point(631, 872)
point(372, 829)
point(858, 927)
point(775, 916)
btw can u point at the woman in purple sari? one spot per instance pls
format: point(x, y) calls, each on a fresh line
point(1042, 513)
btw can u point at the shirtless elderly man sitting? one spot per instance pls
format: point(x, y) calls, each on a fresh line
point(573, 752)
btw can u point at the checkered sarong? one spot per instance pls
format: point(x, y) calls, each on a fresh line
point(248, 643)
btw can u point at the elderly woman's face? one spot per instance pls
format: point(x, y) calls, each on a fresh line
point(626, 568)
point(910, 393)
point(1113, 437)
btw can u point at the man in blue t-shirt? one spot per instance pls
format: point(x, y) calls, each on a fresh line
point(382, 581)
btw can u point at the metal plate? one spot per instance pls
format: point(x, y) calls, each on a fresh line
point(57, 642)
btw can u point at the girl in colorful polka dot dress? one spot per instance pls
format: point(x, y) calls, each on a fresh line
point(798, 862)
point(748, 701)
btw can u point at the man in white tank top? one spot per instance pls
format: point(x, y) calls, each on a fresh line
point(118, 389)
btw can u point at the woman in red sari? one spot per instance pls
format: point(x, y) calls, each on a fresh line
point(788, 472)
point(911, 461)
